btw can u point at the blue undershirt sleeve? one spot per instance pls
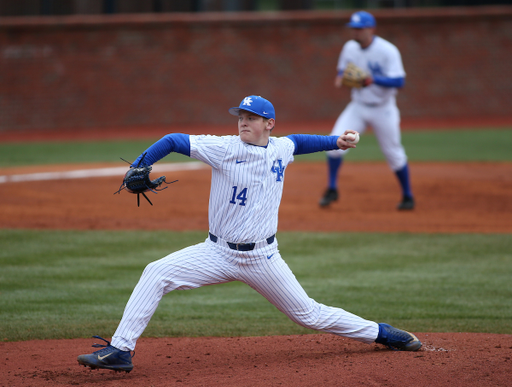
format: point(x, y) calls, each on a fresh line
point(310, 143)
point(389, 82)
point(173, 142)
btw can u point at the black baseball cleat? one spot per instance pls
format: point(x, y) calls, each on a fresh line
point(406, 204)
point(109, 358)
point(397, 339)
point(330, 195)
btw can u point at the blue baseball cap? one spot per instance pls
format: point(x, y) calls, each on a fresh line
point(362, 19)
point(257, 105)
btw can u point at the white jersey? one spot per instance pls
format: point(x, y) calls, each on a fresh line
point(247, 184)
point(379, 58)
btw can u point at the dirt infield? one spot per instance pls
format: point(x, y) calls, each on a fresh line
point(451, 197)
point(473, 198)
point(455, 360)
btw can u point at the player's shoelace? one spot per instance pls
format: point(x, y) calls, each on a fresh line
point(105, 348)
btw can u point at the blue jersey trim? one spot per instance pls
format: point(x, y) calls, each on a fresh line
point(173, 142)
point(310, 143)
point(389, 82)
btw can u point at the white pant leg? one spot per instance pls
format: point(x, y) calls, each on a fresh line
point(351, 118)
point(190, 268)
point(385, 121)
point(274, 280)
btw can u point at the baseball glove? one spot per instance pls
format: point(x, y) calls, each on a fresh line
point(137, 181)
point(353, 76)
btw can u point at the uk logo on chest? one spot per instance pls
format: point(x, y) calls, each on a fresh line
point(278, 169)
point(375, 68)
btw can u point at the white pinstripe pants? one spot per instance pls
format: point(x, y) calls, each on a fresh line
point(209, 263)
point(385, 121)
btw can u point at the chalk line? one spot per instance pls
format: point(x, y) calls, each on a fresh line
point(97, 172)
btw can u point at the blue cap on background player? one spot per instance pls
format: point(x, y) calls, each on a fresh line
point(257, 105)
point(362, 19)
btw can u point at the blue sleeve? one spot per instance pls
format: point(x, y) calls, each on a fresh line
point(389, 82)
point(174, 142)
point(310, 143)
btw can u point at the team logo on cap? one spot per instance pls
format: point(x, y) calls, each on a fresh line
point(356, 18)
point(247, 101)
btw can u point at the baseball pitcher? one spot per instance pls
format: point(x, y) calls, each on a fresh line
point(248, 172)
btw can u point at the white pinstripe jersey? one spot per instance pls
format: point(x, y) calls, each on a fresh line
point(247, 184)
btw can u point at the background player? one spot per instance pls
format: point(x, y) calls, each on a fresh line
point(372, 105)
point(247, 184)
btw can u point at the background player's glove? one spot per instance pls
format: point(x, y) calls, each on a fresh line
point(354, 76)
point(137, 181)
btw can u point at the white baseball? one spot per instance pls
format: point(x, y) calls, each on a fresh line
point(352, 137)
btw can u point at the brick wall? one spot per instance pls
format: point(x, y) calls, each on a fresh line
point(174, 69)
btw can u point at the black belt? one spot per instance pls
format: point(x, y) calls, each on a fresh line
point(373, 104)
point(241, 246)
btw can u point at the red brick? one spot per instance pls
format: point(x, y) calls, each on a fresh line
point(187, 69)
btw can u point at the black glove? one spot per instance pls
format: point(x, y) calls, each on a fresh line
point(137, 181)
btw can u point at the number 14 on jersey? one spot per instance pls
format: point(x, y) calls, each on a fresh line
point(241, 197)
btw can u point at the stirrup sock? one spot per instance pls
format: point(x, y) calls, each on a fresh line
point(334, 164)
point(403, 178)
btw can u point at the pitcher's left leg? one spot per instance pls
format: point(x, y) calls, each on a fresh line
point(274, 280)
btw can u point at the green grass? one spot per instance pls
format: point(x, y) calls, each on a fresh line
point(66, 284)
point(448, 145)
point(71, 152)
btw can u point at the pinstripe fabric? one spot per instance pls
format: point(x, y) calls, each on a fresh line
point(237, 164)
point(208, 264)
point(247, 185)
